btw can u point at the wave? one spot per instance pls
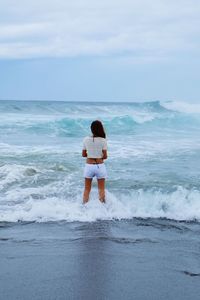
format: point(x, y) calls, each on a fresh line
point(183, 107)
point(181, 204)
point(75, 108)
point(76, 119)
point(56, 107)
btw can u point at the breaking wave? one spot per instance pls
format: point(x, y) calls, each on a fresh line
point(59, 119)
point(32, 205)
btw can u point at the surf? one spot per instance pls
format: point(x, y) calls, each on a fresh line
point(153, 152)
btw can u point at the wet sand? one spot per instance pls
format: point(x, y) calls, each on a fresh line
point(137, 259)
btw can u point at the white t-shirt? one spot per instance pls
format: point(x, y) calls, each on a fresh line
point(94, 146)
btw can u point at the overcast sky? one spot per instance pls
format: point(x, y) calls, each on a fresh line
point(108, 50)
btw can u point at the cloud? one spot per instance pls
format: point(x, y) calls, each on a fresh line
point(132, 28)
point(22, 30)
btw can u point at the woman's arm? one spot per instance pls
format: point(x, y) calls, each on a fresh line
point(84, 153)
point(105, 155)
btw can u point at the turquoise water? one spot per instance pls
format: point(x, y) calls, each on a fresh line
point(153, 164)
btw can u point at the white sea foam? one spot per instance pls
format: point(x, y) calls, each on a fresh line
point(181, 204)
point(185, 107)
point(134, 147)
point(14, 173)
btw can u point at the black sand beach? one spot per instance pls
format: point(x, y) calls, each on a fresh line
point(136, 259)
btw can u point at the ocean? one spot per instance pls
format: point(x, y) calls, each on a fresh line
point(146, 234)
point(153, 164)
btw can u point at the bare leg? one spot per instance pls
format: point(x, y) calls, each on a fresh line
point(86, 194)
point(101, 188)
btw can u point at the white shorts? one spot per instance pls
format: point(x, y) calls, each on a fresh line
point(98, 170)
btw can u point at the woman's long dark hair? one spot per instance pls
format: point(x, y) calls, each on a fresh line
point(97, 129)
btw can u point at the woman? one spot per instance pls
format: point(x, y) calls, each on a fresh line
point(95, 149)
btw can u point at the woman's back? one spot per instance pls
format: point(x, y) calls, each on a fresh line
point(94, 146)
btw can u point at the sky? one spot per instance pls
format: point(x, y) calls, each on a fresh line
point(108, 50)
